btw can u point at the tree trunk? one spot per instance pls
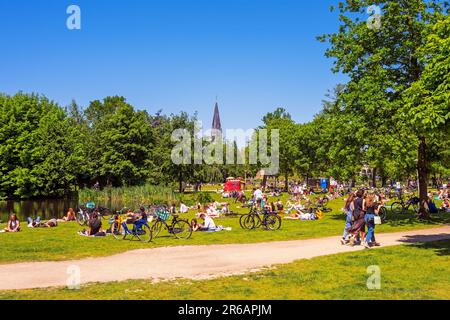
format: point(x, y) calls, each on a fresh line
point(374, 177)
point(264, 183)
point(286, 182)
point(180, 182)
point(423, 177)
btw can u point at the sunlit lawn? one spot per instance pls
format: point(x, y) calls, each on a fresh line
point(63, 243)
point(418, 271)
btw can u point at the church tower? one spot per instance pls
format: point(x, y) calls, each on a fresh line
point(216, 125)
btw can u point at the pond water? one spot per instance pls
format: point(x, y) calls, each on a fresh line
point(46, 208)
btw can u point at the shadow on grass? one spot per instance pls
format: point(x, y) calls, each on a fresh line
point(431, 242)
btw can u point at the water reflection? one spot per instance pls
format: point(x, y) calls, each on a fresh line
point(46, 209)
point(50, 208)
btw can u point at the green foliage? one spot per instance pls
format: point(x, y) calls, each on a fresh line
point(204, 197)
point(392, 116)
point(40, 152)
point(129, 197)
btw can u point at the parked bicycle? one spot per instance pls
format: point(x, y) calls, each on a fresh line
point(140, 229)
point(85, 213)
point(253, 220)
point(402, 206)
point(179, 228)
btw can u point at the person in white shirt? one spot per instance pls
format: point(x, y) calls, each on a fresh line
point(258, 194)
point(208, 223)
point(184, 208)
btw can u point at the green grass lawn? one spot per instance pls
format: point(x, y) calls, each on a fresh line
point(418, 271)
point(63, 243)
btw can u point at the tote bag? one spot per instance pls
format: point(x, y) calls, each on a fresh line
point(377, 220)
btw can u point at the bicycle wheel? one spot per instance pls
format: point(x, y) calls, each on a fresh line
point(145, 234)
point(257, 221)
point(272, 222)
point(156, 228)
point(396, 207)
point(247, 222)
point(117, 231)
point(81, 218)
point(182, 229)
point(414, 206)
point(383, 213)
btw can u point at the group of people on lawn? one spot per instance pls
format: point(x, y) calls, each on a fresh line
point(13, 224)
point(361, 208)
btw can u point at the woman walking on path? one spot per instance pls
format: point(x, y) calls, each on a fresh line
point(371, 208)
point(349, 207)
point(359, 223)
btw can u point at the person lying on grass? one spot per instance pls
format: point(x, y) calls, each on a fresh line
point(13, 224)
point(208, 225)
point(52, 223)
point(300, 215)
point(294, 207)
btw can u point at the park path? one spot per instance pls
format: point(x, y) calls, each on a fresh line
point(192, 262)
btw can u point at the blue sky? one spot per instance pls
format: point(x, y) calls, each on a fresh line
point(255, 55)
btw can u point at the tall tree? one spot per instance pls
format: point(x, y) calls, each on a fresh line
point(386, 61)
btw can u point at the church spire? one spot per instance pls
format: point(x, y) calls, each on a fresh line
point(216, 125)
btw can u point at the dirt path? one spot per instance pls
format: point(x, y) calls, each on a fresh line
point(191, 262)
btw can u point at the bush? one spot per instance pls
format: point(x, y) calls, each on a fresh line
point(204, 197)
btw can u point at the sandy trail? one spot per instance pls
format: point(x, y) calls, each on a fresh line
point(192, 262)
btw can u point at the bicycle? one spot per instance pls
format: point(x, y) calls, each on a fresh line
point(382, 212)
point(141, 230)
point(181, 229)
point(322, 203)
point(85, 213)
point(402, 206)
point(253, 220)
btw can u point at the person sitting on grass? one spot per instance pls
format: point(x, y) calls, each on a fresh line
point(443, 194)
point(446, 205)
point(211, 212)
point(138, 219)
point(183, 208)
point(70, 216)
point(226, 208)
point(95, 227)
point(280, 206)
point(13, 224)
